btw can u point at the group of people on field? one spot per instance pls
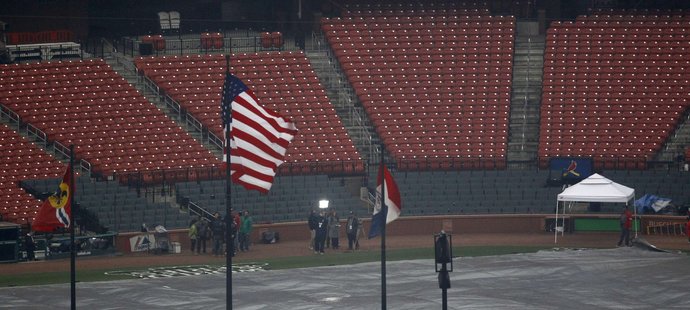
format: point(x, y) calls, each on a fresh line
point(324, 228)
point(203, 230)
point(325, 231)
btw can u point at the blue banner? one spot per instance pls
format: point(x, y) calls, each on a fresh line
point(571, 168)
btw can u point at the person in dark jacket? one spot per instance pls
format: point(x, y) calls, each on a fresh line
point(351, 229)
point(202, 235)
point(231, 247)
point(312, 228)
point(30, 245)
point(321, 233)
point(218, 233)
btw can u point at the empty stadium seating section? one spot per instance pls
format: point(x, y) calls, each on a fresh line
point(435, 79)
point(111, 125)
point(437, 87)
point(615, 86)
point(282, 81)
point(421, 8)
point(20, 160)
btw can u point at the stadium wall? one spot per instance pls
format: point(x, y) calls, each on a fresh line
point(406, 226)
point(456, 224)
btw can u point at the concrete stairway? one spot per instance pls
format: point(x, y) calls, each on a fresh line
point(342, 95)
point(677, 142)
point(528, 63)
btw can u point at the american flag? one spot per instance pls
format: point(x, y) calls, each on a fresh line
point(259, 137)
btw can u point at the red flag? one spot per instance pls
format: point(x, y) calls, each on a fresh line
point(259, 137)
point(56, 211)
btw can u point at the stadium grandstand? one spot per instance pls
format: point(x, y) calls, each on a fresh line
point(477, 107)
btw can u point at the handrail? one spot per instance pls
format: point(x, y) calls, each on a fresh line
point(215, 140)
point(61, 148)
point(37, 133)
point(198, 210)
point(152, 86)
point(85, 165)
point(13, 116)
point(192, 121)
point(173, 104)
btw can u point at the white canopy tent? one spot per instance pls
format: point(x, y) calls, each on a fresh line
point(595, 188)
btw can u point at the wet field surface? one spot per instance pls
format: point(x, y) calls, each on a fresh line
point(619, 278)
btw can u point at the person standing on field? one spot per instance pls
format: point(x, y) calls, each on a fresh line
point(351, 229)
point(312, 223)
point(193, 234)
point(245, 231)
point(625, 223)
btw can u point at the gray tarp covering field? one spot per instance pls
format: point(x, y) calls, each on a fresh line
point(622, 278)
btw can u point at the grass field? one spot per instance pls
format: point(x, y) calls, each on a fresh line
point(332, 259)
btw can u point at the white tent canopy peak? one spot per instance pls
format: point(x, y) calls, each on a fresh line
point(597, 188)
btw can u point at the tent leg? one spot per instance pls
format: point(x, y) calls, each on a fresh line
point(563, 217)
point(634, 217)
point(555, 226)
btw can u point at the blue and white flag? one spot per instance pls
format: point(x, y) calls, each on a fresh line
point(653, 202)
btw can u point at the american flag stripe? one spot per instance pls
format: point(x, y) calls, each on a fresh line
point(259, 137)
point(278, 123)
point(253, 183)
point(270, 144)
point(249, 159)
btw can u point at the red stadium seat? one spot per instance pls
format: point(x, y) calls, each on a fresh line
point(613, 94)
point(425, 75)
point(277, 79)
point(99, 100)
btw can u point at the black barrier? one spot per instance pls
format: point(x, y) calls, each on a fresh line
point(57, 247)
point(145, 49)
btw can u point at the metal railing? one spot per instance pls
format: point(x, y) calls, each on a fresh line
point(146, 178)
point(44, 51)
point(38, 134)
point(6, 112)
point(179, 46)
point(61, 149)
point(195, 209)
point(452, 163)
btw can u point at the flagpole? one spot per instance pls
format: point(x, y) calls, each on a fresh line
point(73, 222)
point(228, 215)
point(383, 231)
